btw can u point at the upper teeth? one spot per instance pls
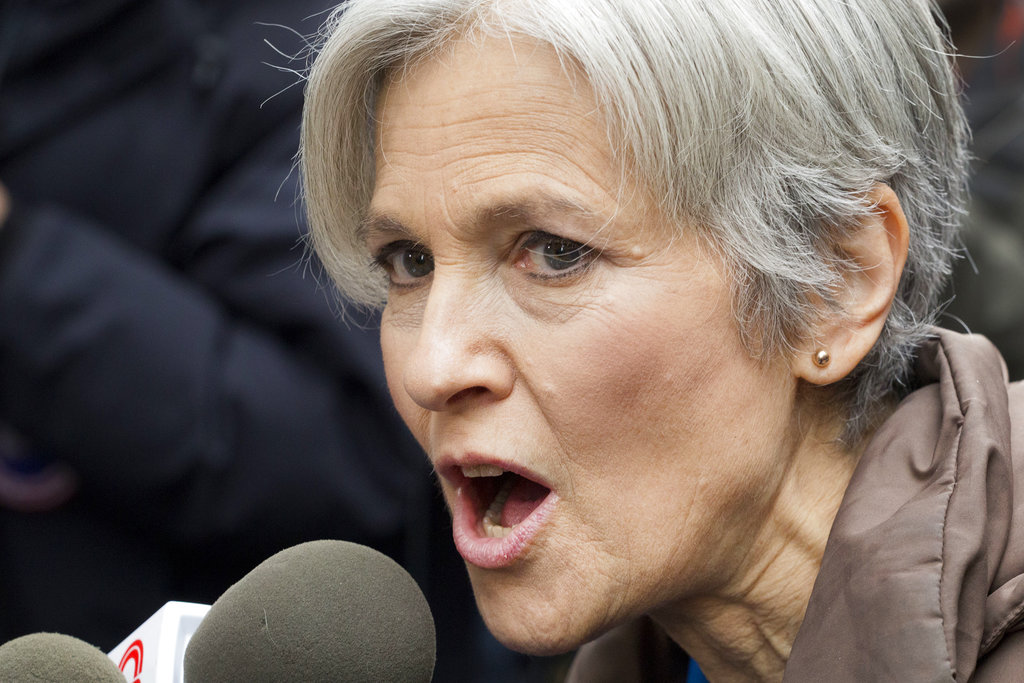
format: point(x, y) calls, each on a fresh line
point(482, 471)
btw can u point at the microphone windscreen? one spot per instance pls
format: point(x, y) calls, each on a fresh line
point(55, 658)
point(319, 611)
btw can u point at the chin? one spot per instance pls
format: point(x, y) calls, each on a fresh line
point(527, 639)
point(530, 624)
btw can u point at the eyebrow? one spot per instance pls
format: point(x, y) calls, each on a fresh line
point(528, 210)
point(516, 210)
point(378, 223)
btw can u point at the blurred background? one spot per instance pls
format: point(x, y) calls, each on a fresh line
point(987, 295)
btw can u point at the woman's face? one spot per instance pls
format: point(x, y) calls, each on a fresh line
point(542, 326)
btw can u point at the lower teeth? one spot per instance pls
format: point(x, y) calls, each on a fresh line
point(492, 518)
point(493, 530)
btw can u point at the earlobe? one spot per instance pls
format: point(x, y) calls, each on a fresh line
point(877, 252)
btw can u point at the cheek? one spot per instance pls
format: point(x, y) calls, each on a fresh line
point(397, 343)
point(631, 376)
point(394, 352)
point(664, 422)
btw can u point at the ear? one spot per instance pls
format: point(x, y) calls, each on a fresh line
point(878, 250)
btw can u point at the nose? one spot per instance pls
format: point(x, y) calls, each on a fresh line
point(460, 357)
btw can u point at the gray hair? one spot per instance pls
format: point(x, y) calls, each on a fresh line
point(763, 124)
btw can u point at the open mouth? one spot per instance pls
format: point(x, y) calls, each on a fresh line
point(503, 499)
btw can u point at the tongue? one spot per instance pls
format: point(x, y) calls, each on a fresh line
point(523, 499)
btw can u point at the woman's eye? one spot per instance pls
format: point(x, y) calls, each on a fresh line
point(548, 255)
point(405, 262)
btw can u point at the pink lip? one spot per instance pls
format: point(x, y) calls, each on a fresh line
point(475, 547)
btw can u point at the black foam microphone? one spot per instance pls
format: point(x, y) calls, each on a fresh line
point(55, 658)
point(320, 611)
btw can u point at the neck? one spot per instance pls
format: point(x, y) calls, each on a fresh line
point(744, 630)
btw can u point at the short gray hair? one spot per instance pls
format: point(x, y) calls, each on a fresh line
point(764, 124)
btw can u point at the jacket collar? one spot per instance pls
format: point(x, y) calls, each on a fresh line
point(921, 532)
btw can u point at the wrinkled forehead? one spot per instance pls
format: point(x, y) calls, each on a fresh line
point(494, 127)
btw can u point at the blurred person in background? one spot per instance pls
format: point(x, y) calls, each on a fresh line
point(179, 397)
point(987, 286)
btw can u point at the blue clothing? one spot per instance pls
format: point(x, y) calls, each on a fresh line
point(694, 674)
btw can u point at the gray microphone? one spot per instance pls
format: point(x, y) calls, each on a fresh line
point(55, 658)
point(320, 611)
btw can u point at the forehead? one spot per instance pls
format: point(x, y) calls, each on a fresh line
point(492, 127)
point(504, 75)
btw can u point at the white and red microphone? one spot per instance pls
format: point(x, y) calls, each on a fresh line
point(155, 651)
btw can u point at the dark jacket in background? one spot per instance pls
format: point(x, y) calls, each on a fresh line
point(167, 350)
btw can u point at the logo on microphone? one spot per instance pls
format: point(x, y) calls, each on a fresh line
point(133, 654)
point(165, 635)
